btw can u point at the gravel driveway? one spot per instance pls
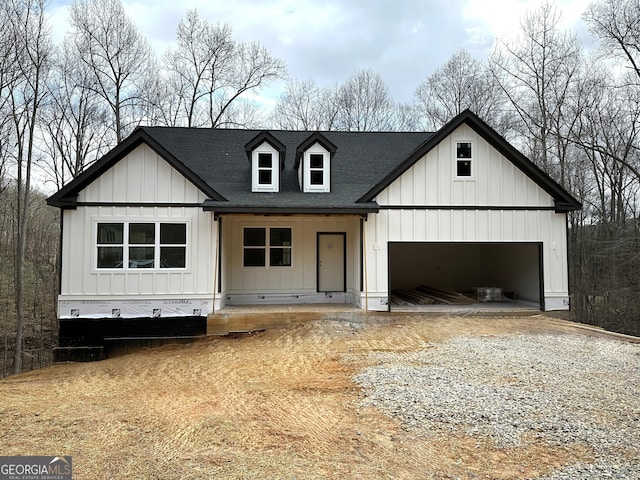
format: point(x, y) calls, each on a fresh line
point(559, 389)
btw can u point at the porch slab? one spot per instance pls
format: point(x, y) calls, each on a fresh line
point(249, 318)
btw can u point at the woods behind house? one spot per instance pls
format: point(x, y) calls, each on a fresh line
point(575, 113)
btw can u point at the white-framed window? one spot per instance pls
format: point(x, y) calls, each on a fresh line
point(265, 169)
point(316, 169)
point(464, 159)
point(266, 247)
point(141, 245)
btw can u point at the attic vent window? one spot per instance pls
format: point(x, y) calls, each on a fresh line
point(464, 156)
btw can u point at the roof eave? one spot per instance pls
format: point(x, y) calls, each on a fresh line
point(564, 200)
point(565, 207)
point(218, 208)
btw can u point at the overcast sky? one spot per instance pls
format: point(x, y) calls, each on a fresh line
point(403, 40)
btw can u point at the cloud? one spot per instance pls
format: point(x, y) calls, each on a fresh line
point(404, 41)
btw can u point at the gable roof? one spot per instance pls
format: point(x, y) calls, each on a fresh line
point(215, 161)
point(563, 199)
point(311, 140)
point(261, 138)
point(66, 196)
point(363, 164)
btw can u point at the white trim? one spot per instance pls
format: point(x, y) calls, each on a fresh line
point(126, 245)
point(556, 302)
point(316, 149)
point(274, 186)
point(457, 159)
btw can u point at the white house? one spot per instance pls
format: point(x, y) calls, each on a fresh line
point(176, 223)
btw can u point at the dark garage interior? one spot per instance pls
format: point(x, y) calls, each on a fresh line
point(515, 268)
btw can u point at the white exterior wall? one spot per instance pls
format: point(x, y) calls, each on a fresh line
point(496, 183)
point(295, 284)
point(140, 177)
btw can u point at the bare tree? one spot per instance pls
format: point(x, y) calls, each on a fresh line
point(609, 135)
point(462, 82)
point(305, 106)
point(616, 23)
point(364, 104)
point(208, 71)
point(537, 73)
point(361, 103)
point(9, 73)
point(32, 46)
point(119, 58)
point(74, 118)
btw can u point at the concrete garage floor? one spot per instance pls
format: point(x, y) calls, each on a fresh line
point(515, 307)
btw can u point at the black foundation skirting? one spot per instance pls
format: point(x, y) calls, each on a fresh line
point(90, 332)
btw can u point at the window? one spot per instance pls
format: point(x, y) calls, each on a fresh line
point(267, 247)
point(265, 169)
point(316, 169)
point(255, 243)
point(463, 159)
point(110, 245)
point(135, 245)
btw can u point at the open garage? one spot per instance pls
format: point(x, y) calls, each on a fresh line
point(474, 269)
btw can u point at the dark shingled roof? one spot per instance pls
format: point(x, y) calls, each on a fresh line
point(218, 157)
point(364, 163)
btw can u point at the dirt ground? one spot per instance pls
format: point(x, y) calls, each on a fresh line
point(278, 404)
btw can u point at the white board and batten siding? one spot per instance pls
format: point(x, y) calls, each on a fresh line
point(284, 284)
point(495, 183)
point(141, 178)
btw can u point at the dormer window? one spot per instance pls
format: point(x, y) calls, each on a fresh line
point(265, 169)
point(313, 163)
point(464, 156)
point(316, 169)
point(266, 155)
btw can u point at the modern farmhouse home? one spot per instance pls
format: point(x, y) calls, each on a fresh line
point(175, 224)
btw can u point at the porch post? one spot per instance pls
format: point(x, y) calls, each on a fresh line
point(364, 259)
point(215, 266)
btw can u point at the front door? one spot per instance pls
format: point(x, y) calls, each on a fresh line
point(331, 262)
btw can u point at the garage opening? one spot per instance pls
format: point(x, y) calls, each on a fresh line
point(482, 272)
